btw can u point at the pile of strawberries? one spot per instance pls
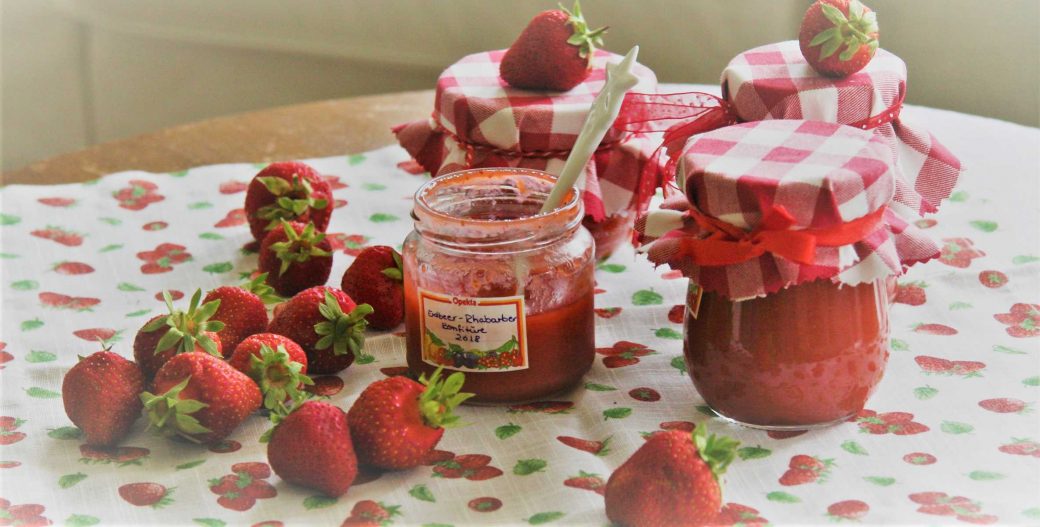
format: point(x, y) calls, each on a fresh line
point(200, 371)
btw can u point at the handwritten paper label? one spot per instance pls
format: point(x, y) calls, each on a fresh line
point(473, 334)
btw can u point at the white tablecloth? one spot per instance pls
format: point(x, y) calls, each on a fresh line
point(984, 464)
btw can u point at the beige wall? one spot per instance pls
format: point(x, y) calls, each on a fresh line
point(76, 72)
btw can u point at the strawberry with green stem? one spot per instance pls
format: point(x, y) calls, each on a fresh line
point(277, 365)
point(312, 447)
point(295, 256)
point(289, 191)
point(100, 395)
point(830, 26)
point(673, 479)
point(554, 51)
point(396, 422)
point(243, 310)
point(199, 397)
point(327, 324)
point(164, 336)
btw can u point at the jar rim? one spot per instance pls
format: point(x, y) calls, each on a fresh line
point(571, 206)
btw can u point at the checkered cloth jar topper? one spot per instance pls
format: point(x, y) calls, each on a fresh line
point(480, 121)
point(770, 204)
point(776, 82)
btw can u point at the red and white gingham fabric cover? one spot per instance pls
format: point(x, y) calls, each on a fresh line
point(775, 82)
point(480, 121)
point(824, 175)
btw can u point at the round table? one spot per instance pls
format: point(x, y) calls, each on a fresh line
point(299, 131)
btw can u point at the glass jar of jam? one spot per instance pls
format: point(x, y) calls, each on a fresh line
point(792, 239)
point(497, 290)
point(806, 356)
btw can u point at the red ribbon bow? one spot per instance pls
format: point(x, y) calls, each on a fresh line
point(727, 244)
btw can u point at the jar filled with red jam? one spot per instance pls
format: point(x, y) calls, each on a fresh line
point(792, 243)
point(808, 355)
point(496, 289)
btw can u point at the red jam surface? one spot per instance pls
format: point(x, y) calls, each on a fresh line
point(806, 356)
point(560, 349)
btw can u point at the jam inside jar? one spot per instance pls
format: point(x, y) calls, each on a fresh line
point(496, 289)
point(804, 357)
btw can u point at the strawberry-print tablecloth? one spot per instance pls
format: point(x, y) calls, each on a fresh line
point(950, 437)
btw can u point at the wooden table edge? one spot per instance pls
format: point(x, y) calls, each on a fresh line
point(314, 129)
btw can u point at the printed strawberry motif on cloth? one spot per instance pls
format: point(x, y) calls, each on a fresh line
point(481, 121)
point(782, 202)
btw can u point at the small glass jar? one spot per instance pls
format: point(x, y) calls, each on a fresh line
point(804, 357)
point(497, 290)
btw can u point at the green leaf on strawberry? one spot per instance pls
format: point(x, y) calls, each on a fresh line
point(278, 376)
point(717, 451)
point(340, 331)
point(441, 397)
point(170, 415)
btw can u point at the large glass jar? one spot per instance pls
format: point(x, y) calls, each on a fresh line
point(803, 357)
point(497, 290)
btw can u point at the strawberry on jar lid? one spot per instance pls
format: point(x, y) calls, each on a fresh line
point(770, 204)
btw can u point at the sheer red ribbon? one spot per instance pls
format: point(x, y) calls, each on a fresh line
point(727, 244)
point(679, 116)
point(683, 115)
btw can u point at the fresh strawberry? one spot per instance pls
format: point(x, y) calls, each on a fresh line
point(671, 480)
point(599, 448)
point(242, 310)
point(295, 256)
point(327, 324)
point(312, 447)
point(199, 397)
point(276, 364)
point(830, 26)
point(72, 268)
point(289, 191)
point(101, 397)
point(396, 422)
point(164, 336)
point(376, 278)
point(146, 494)
point(553, 52)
